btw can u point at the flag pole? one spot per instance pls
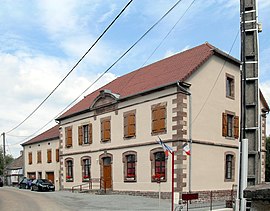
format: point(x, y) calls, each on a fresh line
point(172, 179)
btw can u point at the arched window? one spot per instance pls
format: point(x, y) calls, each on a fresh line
point(229, 166)
point(69, 170)
point(129, 160)
point(158, 165)
point(86, 164)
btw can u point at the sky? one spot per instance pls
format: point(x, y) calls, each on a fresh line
point(40, 41)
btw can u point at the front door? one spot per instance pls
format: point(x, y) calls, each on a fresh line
point(107, 172)
point(50, 176)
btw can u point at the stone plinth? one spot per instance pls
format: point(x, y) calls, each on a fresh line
point(259, 196)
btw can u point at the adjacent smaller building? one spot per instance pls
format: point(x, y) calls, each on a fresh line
point(42, 156)
point(14, 171)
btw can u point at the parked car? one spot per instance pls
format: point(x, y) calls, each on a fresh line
point(1, 182)
point(42, 185)
point(25, 183)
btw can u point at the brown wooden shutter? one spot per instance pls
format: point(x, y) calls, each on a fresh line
point(39, 157)
point(90, 135)
point(154, 120)
point(49, 155)
point(30, 158)
point(131, 125)
point(107, 130)
point(224, 124)
point(236, 127)
point(162, 119)
point(57, 155)
point(126, 126)
point(80, 135)
point(68, 136)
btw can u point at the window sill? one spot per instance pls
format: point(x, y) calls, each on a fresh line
point(158, 133)
point(127, 180)
point(229, 180)
point(230, 138)
point(230, 97)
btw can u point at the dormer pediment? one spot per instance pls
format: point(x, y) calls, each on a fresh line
point(105, 98)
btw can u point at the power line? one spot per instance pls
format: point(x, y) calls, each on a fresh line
point(72, 68)
point(211, 90)
point(162, 41)
point(132, 46)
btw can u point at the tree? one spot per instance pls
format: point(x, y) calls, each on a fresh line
point(9, 159)
point(267, 165)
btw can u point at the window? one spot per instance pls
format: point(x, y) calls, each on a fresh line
point(129, 160)
point(38, 156)
point(105, 130)
point(57, 155)
point(229, 86)
point(158, 165)
point(68, 136)
point(129, 125)
point(69, 170)
point(230, 125)
point(86, 163)
point(159, 118)
point(85, 134)
point(229, 166)
point(30, 161)
point(49, 156)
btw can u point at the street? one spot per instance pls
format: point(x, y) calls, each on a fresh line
point(14, 199)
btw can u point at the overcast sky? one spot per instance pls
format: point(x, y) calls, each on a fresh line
point(42, 40)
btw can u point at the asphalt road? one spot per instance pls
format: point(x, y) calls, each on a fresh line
point(14, 199)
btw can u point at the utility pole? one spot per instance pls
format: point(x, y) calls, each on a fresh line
point(250, 87)
point(4, 156)
point(250, 121)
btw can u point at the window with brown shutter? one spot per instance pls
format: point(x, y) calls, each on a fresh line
point(30, 161)
point(68, 133)
point(129, 125)
point(158, 118)
point(39, 157)
point(49, 156)
point(105, 130)
point(57, 155)
point(230, 125)
point(85, 134)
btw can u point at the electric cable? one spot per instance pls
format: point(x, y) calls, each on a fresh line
point(161, 42)
point(211, 90)
point(108, 27)
point(132, 46)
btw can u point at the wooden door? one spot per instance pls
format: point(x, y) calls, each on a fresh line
point(50, 176)
point(107, 175)
point(107, 172)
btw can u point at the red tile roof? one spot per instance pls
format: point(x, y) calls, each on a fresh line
point(52, 133)
point(172, 69)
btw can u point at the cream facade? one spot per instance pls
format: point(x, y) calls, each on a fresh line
point(209, 148)
point(109, 139)
point(42, 161)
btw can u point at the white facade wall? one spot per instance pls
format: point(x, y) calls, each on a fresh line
point(208, 159)
point(209, 147)
point(143, 136)
point(42, 167)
